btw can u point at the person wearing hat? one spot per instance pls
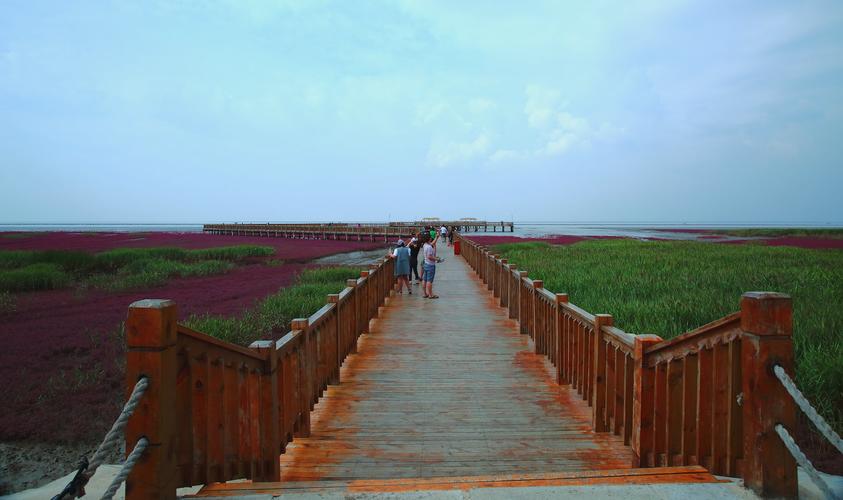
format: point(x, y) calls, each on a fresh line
point(401, 254)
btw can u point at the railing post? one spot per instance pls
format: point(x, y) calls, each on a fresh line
point(306, 376)
point(522, 302)
point(365, 297)
point(355, 321)
point(535, 315)
point(767, 324)
point(503, 289)
point(269, 419)
point(334, 298)
point(643, 405)
point(561, 376)
point(151, 340)
point(598, 407)
point(513, 292)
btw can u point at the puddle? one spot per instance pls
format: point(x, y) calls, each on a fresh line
point(358, 258)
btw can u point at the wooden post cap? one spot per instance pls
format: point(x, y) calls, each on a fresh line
point(562, 298)
point(504, 261)
point(299, 324)
point(351, 283)
point(152, 304)
point(767, 313)
point(151, 323)
point(603, 319)
point(538, 284)
point(333, 298)
point(364, 274)
point(523, 274)
point(644, 341)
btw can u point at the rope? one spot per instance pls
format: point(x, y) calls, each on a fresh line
point(803, 461)
point(130, 462)
point(809, 410)
point(115, 434)
point(76, 488)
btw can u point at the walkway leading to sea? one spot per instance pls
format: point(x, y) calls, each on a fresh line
point(448, 391)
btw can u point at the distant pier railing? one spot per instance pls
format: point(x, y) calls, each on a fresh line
point(352, 232)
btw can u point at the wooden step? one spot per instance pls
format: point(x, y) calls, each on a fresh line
point(658, 475)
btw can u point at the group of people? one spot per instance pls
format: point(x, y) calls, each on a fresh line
point(406, 257)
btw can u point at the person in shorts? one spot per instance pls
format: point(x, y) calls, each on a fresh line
point(429, 266)
point(401, 254)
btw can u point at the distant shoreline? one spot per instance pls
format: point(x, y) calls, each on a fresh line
point(537, 227)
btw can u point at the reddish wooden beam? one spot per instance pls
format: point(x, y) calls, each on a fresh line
point(151, 339)
point(766, 320)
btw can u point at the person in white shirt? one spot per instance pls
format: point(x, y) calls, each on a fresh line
point(429, 266)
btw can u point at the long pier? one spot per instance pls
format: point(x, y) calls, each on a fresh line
point(499, 383)
point(353, 232)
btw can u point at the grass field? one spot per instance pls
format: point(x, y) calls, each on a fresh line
point(774, 232)
point(117, 269)
point(274, 313)
point(667, 288)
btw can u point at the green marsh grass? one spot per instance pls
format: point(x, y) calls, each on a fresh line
point(774, 232)
point(274, 313)
point(667, 288)
point(41, 276)
point(116, 269)
point(16, 236)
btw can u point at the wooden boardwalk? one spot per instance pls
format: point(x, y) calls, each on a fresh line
point(449, 394)
point(448, 387)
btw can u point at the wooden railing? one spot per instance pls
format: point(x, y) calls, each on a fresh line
point(708, 397)
point(215, 411)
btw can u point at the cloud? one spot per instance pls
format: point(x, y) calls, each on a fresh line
point(444, 154)
point(502, 155)
point(554, 129)
point(541, 106)
point(480, 105)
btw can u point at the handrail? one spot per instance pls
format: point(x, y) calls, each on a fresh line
point(705, 397)
point(717, 327)
point(201, 337)
point(215, 411)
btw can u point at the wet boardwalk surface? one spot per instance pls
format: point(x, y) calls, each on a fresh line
point(447, 387)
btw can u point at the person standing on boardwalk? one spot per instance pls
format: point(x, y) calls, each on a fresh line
point(415, 247)
point(401, 254)
point(429, 266)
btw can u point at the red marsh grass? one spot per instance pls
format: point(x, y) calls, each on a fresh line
point(61, 368)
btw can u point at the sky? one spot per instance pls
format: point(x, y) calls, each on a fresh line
point(243, 110)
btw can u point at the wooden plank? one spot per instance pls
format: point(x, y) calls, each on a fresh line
point(689, 409)
point(705, 396)
point(674, 404)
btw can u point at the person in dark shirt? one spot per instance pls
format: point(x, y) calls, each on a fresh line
point(415, 246)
